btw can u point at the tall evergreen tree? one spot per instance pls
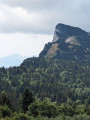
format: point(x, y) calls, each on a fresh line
point(5, 100)
point(27, 100)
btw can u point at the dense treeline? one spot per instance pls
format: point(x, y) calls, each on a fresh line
point(32, 109)
point(57, 82)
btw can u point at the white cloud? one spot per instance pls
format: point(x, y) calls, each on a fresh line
point(23, 44)
point(18, 19)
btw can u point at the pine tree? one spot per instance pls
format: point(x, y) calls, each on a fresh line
point(5, 100)
point(27, 100)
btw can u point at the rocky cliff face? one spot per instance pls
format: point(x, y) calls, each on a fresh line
point(68, 43)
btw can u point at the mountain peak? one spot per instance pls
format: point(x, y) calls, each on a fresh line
point(68, 42)
point(63, 31)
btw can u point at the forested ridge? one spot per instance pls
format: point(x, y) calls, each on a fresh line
point(63, 86)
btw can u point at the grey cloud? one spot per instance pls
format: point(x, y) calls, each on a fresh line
point(41, 16)
point(31, 4)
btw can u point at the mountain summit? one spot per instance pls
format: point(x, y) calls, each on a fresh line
point(68, 43)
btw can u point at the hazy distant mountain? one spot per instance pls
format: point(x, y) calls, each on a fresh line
point(11, 60)
point(68, 43)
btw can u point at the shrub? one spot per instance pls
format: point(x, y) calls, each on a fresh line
point(43, 109)
point(21, 117)
point(66, 110)
point(5, 111)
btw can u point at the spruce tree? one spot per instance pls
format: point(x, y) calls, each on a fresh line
point(27, 100)
point(5, 100)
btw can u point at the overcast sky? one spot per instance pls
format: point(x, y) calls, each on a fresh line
point(26, 25)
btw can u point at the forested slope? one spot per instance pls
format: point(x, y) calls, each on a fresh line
point(57, 80)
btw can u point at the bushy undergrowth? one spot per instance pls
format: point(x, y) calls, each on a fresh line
point(25, 117)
